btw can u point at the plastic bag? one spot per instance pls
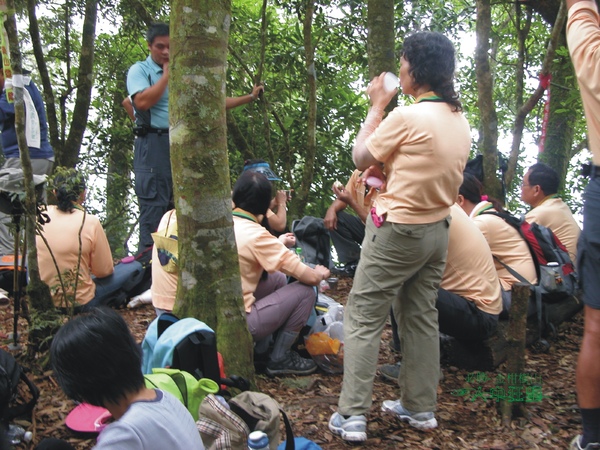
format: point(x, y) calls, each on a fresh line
point(325, 342)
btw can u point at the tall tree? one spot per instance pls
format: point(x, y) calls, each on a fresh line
point(209, 278)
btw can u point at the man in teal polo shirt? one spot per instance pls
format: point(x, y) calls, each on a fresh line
point(147, 83)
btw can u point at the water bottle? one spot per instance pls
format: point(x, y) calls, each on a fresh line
point(17, 434)
point(299, 253)
point(258, 440)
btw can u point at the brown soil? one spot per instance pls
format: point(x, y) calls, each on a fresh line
point(467, 420)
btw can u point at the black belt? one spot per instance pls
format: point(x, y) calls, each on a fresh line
point(589, 170)
point(143, 131)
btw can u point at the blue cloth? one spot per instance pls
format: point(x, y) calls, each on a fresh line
point(142, 75)
point(124, 276)
point(9, 134)
point(300, 443)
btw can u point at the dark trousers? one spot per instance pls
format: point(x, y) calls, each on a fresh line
point(348, 237)
point(153, 182)
point(462, 319)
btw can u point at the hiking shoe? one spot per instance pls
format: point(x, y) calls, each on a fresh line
point(291, 364)
point(390, 371)
point(421, 421)
point(352, 429)
point(576, 444)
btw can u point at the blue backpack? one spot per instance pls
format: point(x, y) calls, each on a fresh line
point(187, 344)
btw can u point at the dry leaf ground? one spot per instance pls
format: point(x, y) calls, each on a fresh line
point(467, 419)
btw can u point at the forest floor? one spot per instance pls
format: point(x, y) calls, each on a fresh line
point(468, 418)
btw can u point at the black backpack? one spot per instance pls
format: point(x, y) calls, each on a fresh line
point(10, 375)
point(313, 238)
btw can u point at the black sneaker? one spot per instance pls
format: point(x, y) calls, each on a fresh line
point(291, 364)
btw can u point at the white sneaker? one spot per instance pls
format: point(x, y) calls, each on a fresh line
point(352, 429)
point(422, 420)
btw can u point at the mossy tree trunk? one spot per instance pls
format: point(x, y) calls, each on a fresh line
point(209, 279)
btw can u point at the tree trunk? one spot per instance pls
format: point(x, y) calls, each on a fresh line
point(303, 190)
point(209, 278)
point(380, 40)
point(560, 130)
point(485, 87)
point(69, 155)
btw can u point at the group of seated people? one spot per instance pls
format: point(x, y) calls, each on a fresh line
point(474, 290)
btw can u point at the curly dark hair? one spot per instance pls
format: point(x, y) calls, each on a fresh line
point(433, 61)
point(68, 186)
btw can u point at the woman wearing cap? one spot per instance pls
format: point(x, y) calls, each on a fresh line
point(277, 213)
point(272, 305)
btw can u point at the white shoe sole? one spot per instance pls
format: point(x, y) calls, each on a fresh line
point(418, 424)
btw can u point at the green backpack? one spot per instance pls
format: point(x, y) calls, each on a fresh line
point(187, 389)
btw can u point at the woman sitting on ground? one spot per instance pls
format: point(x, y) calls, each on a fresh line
point(504, 240)
point(271, 304)
point(75, 242)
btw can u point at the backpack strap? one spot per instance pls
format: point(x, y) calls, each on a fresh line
point(24, 408)
point(289, 433)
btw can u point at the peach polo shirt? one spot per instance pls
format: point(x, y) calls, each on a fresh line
point(259, 250)
point(506, 244)
point(556, 215)
point(424, 148)
point(470, 270)
point(62, 235)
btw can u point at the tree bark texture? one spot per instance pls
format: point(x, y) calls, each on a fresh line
point(560, 130)
point(485, 86)
point(311, 121)
point(209, 279)
point(381, 40)
point(515, 337)
point(68, 156)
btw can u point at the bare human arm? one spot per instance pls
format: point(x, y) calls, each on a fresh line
point(128, 107)
point(278, 221)
point(379, 99)
point(234, 102)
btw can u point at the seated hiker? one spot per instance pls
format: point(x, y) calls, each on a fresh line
point(276, 217)
point(164, 264)
point(540, 191)
point(348, 231)
point(271, 304)
point(469, 299)
point(96, 360)
point(74, 239)
point(505, 242)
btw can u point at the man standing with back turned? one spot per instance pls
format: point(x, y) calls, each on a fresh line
point(583, 37)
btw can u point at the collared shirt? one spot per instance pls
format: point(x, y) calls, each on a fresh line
point(506, 244)
point(583, 38)
point(141, 76)
point(470, 270)
point(553, 213)
point(424, 147)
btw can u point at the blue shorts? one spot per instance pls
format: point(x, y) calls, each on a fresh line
point(588, 247)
